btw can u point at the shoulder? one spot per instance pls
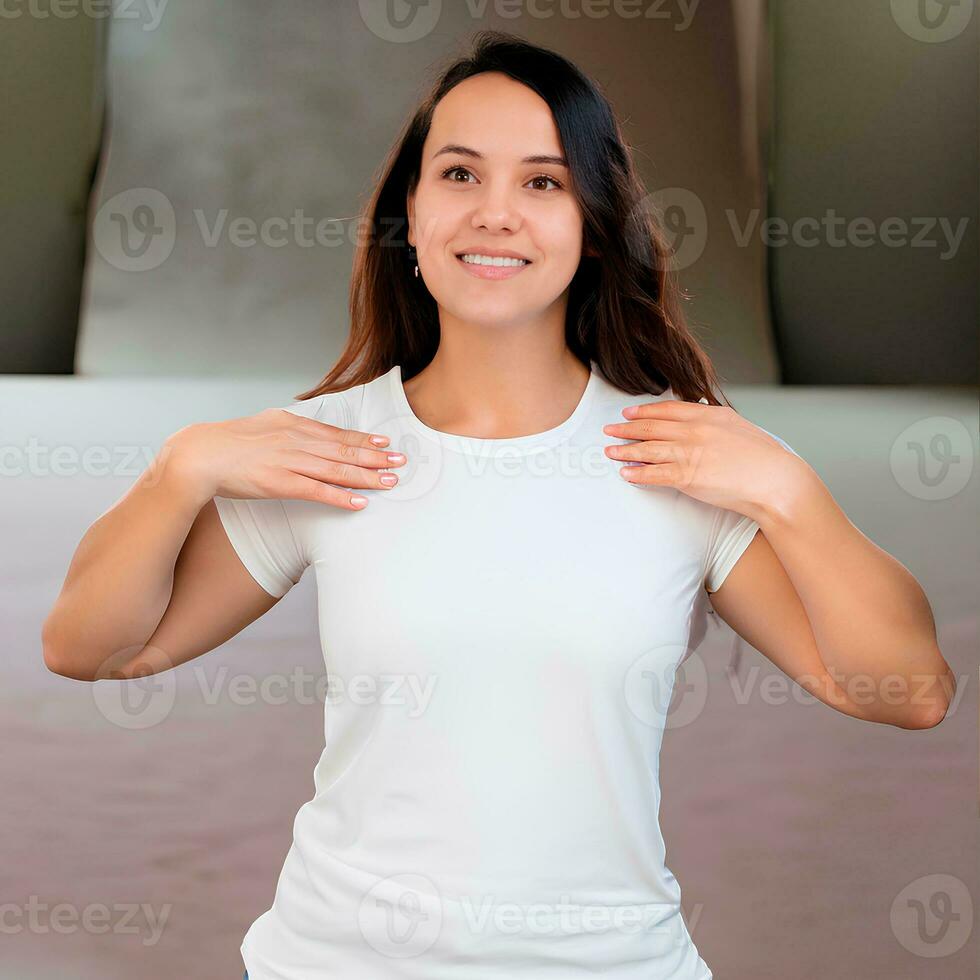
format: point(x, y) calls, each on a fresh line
point(611, 400)
point(340, 408)
point(610, 397)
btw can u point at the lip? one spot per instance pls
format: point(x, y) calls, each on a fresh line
point(492, 271)
point(494, 253)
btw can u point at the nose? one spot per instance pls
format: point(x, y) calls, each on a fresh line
point(496, 209)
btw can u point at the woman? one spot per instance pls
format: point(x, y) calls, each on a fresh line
point(510, 605)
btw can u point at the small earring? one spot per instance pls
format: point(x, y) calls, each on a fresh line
point(416, 271)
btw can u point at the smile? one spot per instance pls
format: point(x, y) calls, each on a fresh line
point(491, 266)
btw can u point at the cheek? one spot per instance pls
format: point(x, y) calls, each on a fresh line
point(436, 220)
point(559, 235)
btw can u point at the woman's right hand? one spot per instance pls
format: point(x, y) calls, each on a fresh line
point(279, 454)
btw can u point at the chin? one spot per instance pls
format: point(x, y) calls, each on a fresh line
point(497, 315)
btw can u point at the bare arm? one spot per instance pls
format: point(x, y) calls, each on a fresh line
point(155, 581)
point(838, 614)
point(834, 611)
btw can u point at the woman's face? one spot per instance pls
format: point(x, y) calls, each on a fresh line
point(477, 194)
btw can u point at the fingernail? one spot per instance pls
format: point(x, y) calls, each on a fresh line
point(396, 457)
point(358, 501)
point(389, 479)
point(378, 440)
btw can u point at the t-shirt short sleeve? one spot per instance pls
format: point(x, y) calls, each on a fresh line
point(260, 533)
point(731, 534)
point(260, 530)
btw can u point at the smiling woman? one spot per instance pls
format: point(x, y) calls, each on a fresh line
point(574, 486)
point(528, 310)
point(516, 153)
point(523, 298)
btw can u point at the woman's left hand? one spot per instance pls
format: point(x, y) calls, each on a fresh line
point(710, 453)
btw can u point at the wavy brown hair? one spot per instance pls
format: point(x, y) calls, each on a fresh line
point(624, 305)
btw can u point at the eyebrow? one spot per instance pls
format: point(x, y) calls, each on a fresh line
point(466, 151)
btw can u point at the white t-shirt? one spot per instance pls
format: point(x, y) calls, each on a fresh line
point(501, 631)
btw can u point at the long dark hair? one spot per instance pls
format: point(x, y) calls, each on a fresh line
point(624, 305)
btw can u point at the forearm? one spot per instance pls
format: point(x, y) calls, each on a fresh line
point(120, 579)
point(871, 620)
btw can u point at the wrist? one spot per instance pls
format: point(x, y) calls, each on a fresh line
point(791, 492)
point(176, 468)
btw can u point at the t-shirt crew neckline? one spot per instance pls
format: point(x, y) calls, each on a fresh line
point(516, 445)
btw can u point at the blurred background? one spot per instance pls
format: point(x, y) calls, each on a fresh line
point(180, 188)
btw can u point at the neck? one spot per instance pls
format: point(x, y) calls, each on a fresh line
point(497, 392)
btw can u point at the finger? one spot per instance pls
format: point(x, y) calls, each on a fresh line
point(647, 429)
point(342, 473)
point(652, 474)
point(321, 430)
point(295, 486)
point(647, 452)
point(347, 452)
point(667, 409)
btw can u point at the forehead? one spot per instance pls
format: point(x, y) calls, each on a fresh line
point(496, 115)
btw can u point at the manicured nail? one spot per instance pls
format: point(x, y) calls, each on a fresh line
point(358, 501)
point(389, 479)
point(396, 457)
point(378, 440)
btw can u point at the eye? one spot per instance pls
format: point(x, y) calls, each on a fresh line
point(557, 183)
point(450, 170)
point(461, 169)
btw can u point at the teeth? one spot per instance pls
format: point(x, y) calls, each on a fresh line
point(473, 259)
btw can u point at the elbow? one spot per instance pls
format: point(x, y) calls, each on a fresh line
point(63, 667)
point(936, 704)
point(925, 719)
point(55, 659)
point(58, 665)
